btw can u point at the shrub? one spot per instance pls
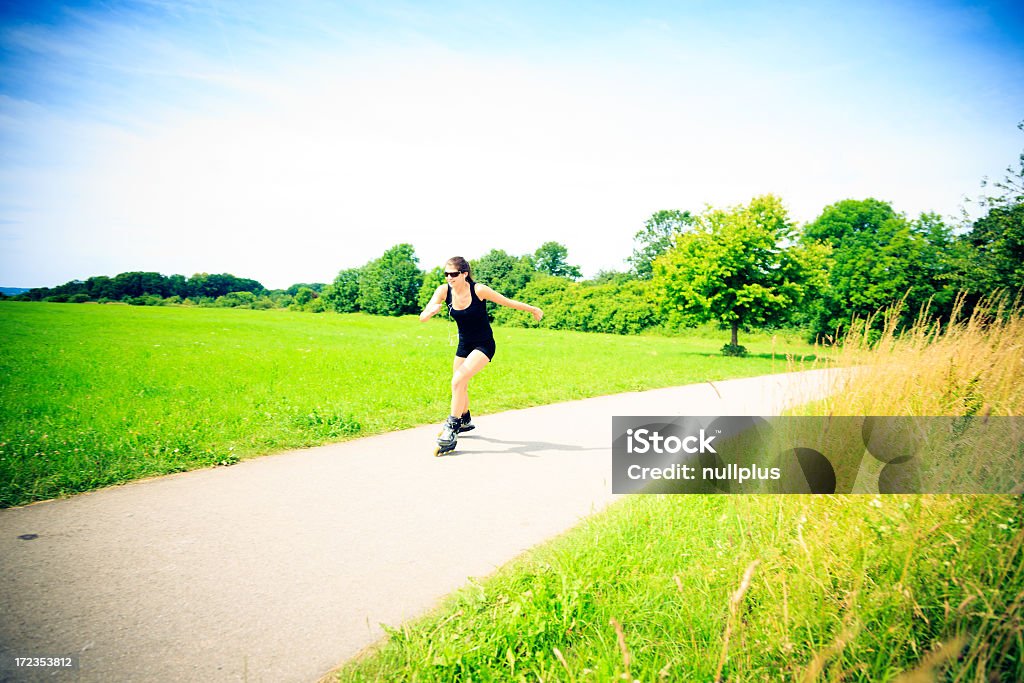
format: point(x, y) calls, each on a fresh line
point(734, 350)
point(625, 307)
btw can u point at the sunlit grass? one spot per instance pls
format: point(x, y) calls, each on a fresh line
point(841, 588)
point(844, 588)
point(98, 395)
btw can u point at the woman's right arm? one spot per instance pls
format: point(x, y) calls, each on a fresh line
point(435, 304)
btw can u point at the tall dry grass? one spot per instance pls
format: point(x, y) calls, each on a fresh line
point(972, 365)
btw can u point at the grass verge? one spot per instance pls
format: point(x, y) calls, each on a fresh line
point(841, 588)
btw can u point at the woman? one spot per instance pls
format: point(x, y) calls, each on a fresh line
point(465, 301)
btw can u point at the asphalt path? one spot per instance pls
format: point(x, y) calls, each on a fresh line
point(279, 568)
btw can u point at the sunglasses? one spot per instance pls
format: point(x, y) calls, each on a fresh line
point(455, 274)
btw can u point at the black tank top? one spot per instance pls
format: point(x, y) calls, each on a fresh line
point(474, 325)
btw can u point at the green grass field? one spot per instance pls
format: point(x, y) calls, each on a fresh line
point(98, 395)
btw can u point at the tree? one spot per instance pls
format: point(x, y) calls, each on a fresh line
point(315, 286)
point(177, 285)
point(504, 273)
point(101, 287)
point(658, 236)
point(136, 284)
point(993, 249)
point(738, 266)
point(552, 258)
point(213, 286)
point(997, 240)
point(605, 277)
point(342, 295)
point(878, 258)
point(431, 280)
point(303, 296)
point(390, 284)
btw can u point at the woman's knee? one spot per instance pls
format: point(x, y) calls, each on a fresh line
point(459, 381)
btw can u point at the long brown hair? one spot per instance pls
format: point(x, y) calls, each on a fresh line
point(463, 266)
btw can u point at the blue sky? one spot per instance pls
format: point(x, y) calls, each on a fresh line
point(286, 142)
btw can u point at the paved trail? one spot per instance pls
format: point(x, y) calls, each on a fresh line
point(279, 568)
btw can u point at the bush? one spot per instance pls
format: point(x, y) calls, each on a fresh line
point(263, 303)
point(236, 300)
point(145, 300)
point(625, 307)
point(734, 350)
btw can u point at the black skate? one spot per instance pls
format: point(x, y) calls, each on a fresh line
point(466, 423)
point(448, 437)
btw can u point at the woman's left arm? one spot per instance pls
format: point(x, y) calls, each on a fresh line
point(485, 292)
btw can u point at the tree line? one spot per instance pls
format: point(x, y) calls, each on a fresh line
point(746, 266)
point(144, 288)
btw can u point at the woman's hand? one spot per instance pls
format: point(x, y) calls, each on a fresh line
point(537, 313)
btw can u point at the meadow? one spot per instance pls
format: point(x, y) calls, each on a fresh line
point(96, 395)
point(907, 588)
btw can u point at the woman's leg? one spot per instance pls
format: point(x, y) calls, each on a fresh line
point(456, 364)
point(474, 363)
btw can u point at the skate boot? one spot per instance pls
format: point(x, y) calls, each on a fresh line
point(466, 423)
point(448, 437)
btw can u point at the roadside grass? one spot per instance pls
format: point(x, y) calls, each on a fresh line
point(98, 395)
point(759, 588)
point(844, 588)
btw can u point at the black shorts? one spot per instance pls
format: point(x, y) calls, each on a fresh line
point(485, 346)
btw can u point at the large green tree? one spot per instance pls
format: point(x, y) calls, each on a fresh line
point(739, 266)
point(390, 284)
point(878, 258)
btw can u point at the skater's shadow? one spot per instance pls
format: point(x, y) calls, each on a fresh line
point(528, 449)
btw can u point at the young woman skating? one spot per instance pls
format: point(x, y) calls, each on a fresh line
point(465, 301)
